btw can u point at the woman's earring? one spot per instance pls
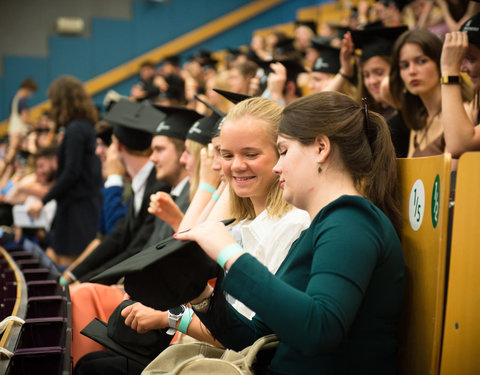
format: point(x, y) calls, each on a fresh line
point(319, 168)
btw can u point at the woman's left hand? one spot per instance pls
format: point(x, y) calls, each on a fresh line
point(34, 208)
point(454, 50)
point(212, 236)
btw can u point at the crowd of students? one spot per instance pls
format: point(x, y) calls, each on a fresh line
point(294, 138)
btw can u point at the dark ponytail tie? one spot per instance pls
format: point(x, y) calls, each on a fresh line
point(367, 120)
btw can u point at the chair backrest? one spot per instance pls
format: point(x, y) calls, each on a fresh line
point(461, 340)
point(425, 185)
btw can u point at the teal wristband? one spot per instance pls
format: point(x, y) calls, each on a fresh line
point(206, 187)
point(186, 320)
point(215, 197)
point(63, 281)
point(227, 253)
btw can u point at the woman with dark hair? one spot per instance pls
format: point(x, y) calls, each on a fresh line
point(336, 299)
point(77, 188)
point(416, 89)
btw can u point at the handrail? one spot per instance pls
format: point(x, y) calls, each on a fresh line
point(182, 43)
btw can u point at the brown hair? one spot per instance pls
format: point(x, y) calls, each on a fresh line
point(365, 147)
point(29, 84)
point(412, 108)
point(246, 69)
point(362, 89)
point(268, 113)
point(70, 102)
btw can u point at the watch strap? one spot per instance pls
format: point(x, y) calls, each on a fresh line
point(447, 80)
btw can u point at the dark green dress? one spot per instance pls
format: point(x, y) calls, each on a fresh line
point(335, 301)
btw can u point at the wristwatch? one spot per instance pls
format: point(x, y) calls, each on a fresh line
point(446, 80)
point(174, 315)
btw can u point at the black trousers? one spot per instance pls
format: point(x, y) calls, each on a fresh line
point(106, 362)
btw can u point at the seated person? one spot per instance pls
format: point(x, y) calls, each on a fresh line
point(336, 300)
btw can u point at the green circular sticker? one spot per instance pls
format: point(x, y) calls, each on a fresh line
point(435, 201)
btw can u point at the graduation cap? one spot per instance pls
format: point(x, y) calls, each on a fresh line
point(284, 46)
point(376, 41)
point(294, 68)
point(320, 42)
point(166, 275)
point(328, 62)
point(472, 28)
point(134, 123)
point(208, 127)
point(177, 122)
point(312, 25)
point(104, 131)
point(122, 339)
point(172, 59)
point(232, 96)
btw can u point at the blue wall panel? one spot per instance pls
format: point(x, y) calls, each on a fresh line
point(112, 44)
point(70, 55)
point(16, 69)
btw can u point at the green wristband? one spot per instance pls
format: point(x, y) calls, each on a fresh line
point(186, 320)
point(206, 187)
point(63, 281)
point(227, 253)
point(215, 197)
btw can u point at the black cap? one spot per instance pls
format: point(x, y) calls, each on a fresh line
point(232, 96)
point(472, 28)
point(104, 131)
point(166, 275)
point(312, 25)
point(208, 127)
point(172, 59)
point(294, 68)
point(320, 42)
point(133, 123)
point(122, 339)
point(284, 46)
point(376, 41)
point(177, 122)
point(328, 62)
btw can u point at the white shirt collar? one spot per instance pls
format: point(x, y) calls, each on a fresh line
point(138, 184)
point(177, 190)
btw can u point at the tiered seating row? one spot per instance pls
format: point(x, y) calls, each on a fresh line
point(42, 345)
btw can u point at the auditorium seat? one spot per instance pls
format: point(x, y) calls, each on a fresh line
point(424, 185)
point(461, 341)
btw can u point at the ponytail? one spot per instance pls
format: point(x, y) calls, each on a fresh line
point(362, 138)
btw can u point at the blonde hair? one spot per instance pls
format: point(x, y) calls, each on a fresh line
point(195, 148)
point(268, 112)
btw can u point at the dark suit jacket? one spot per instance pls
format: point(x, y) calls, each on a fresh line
point(130, 235)
point(162, 230)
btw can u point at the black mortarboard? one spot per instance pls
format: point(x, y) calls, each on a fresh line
point(328, 62)
point(472, 28)
point(122, 339)
point(294, 68)
point(173, 59)
point(177, 122)
point(284, 46)
point(376, 41)
point(104, 131)
point(133, 123)
point(165, 275)
point(319, 42)
point(312, 25)
point(208, 127)
point(232, 96)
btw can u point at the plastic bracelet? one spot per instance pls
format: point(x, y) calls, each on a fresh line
point(345, 76)
point(215, 197)
point(206, 187)
point(63, 281)
point(71, 275)
point(186, 320)
point(227, 253)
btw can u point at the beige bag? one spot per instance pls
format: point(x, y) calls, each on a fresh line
point(202, 358)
